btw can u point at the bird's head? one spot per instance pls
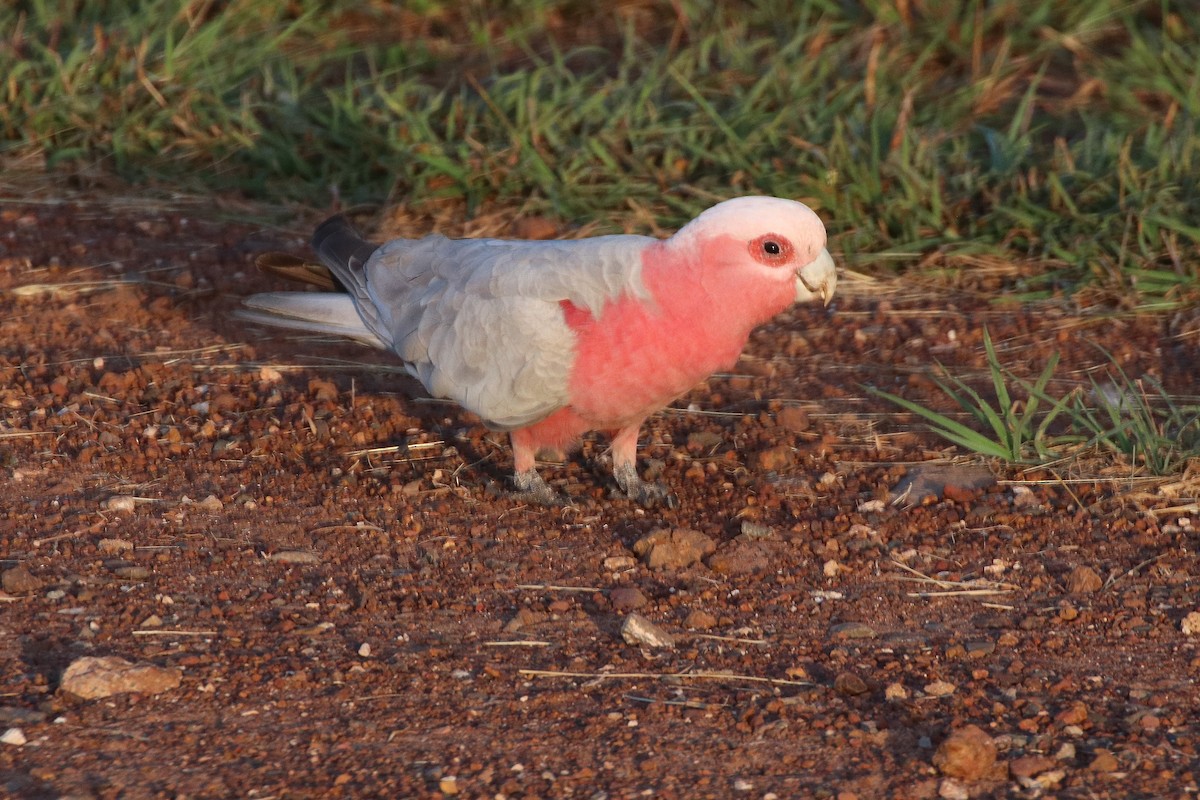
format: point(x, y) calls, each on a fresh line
point(766, 239)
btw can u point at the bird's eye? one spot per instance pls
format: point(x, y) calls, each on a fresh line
point(771, 249)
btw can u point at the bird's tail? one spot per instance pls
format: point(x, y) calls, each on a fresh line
point(343, 253)
point(314, 312)
point(341, 249)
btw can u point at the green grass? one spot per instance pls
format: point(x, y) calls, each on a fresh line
point(1045, 132)
point(1134, 421)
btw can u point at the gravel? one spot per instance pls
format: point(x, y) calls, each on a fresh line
point(496, 665)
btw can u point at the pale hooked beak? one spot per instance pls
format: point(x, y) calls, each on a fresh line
point(817, 278)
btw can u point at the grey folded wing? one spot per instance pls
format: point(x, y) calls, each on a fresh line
point(480, 321)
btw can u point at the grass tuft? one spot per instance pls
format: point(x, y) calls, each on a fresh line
point(1135, 420)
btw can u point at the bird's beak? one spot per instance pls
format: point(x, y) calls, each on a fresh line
point(817, 278)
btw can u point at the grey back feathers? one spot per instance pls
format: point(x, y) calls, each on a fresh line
point(478, 321)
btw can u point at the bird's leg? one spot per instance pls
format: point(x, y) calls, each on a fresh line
point(624, 450)
point(531, 487)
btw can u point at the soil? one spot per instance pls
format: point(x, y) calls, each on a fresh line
point(356, 609)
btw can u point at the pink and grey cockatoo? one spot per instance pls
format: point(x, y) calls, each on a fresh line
point(550, 339)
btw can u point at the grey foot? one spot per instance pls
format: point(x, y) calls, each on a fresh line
point(639, 491)
point(532, 488)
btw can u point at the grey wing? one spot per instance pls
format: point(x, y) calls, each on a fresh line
point(507, 359)
point(480, 321)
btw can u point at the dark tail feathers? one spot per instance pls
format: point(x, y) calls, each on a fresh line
point(340, 247)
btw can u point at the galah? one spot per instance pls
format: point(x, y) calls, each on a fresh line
point(550, 339)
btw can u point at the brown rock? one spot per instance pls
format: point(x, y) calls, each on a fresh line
point(967, 753)
point(19, 580)
point(672, 548)
point(851, 630)
point(626, 598)
point(1075, 714)
point(774, 459)
point(525, 618)
point(1083, 580)
point(792, 418)
point(93, 677)
point(849, 684)
point(959, 494)
point(700, 620)
point(1028, 766)
point(1104, 762)
point(114, 546)
point(952, 789)
point(740, 559)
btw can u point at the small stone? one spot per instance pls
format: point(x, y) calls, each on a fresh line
point(212, 504)
point(364, 650)
point(93, 677)
point(619, 563)
point(951, 789)
point(1028, 766)
point(774, 459)
point(638, 630)
point(626, 598)
point(1023, 497)
point(895, 692)
point(13, 736)
point(295, 557)
point(152, 621)
point(1190, 624)
point(967, 753)
point(1044, 780)
point(448, 785)
point(755, 531)
point(700, 620)
point(851, 630)
point(831, 568)
point(849, 684)
point(19, 580)
point(114, 547)
point(741, 558)
point(699, 441)
point(797, 673)
point(792, 418)
point(18, 715)
point(121, 503)
point(1075, 714)
point(672, 548)
point(940, 688)
point(526, 617)
point(130, 572)
point(1104, 762)
point(980, 649)
point(1065, 753)
point(1083, 580)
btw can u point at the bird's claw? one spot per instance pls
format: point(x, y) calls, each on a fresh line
point(532, 488)
point(645, 494)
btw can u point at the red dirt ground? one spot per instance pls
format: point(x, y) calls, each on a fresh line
point(356, 610)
